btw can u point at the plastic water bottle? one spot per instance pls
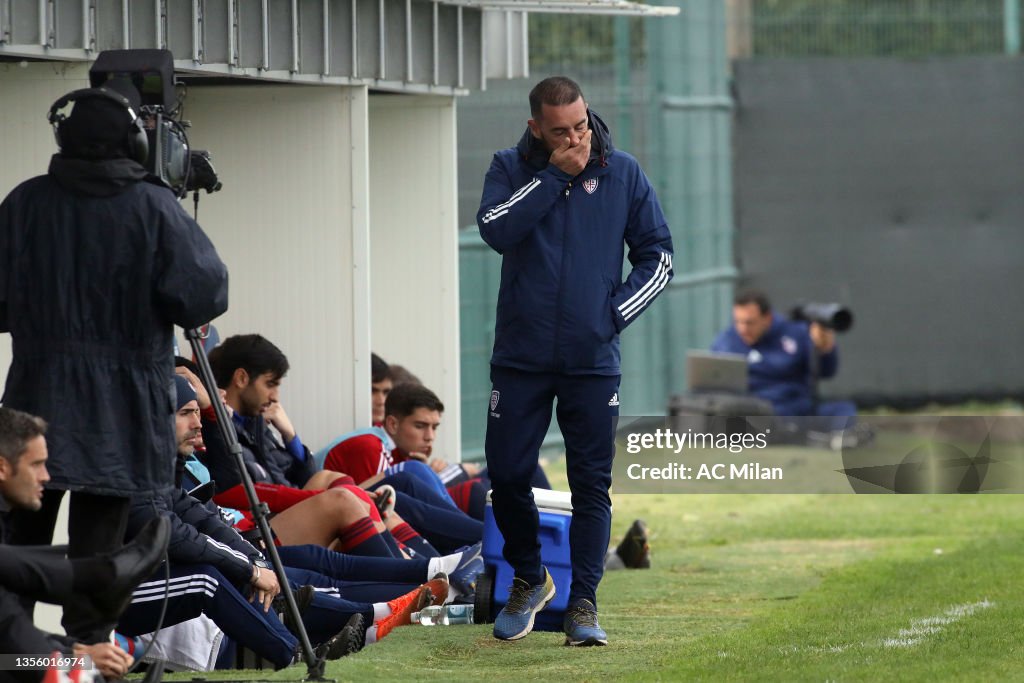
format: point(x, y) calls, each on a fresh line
point(446, 615)
point(457, 614)
point(428, 616)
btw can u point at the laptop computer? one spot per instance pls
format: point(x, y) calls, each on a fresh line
point(709, 371)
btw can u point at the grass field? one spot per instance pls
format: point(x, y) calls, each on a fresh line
point(767, 587)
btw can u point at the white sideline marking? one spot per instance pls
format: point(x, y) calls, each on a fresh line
point(919, 628)
point(907, 637)
point(830, 649)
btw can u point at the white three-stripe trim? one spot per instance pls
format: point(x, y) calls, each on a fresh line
point(384, 462)
point(646, 294)
point(332, 592)
point(501, 209)
point(227, 549)
point(182, 585)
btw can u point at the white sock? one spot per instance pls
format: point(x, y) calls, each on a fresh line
point(446, 564)
point(371, 635)
point(380, 611)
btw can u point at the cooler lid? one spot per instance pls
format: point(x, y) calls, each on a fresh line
point(548, 500)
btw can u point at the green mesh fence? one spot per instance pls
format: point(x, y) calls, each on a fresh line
point(791, 28)
point(882, 28)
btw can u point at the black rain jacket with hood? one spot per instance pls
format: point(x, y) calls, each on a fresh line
point(97, 264)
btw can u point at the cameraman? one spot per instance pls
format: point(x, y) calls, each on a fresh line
point(780, 359)
point(98, 262)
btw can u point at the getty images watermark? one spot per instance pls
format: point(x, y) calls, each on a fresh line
point(664, 439)
point(898, 454)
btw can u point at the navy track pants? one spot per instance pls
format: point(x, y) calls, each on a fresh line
point(518, 418)
point(355, 578)
point(435, 518)
point(196, 589)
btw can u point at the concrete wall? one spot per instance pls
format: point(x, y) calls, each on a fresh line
point(894, 187)
point(291, 224)
point(414, 246)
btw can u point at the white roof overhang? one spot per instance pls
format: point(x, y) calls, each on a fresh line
point(616, 7)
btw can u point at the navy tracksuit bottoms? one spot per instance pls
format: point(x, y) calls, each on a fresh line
point(436, 519)
point(355, 578)
point(517, 421)
point(196, 589)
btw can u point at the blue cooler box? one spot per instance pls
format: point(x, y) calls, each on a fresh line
point(555, 508)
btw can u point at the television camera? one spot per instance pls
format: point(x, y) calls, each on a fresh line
point(171, 159)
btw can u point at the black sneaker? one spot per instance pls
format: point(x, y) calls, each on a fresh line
point(349, 640)
point(634, 549)
point(303, 598)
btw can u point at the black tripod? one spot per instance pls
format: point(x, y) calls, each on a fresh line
point(260, 511)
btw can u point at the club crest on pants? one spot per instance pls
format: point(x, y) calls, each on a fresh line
point(495, 396)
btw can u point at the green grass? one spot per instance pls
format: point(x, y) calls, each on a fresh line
point(768, 587)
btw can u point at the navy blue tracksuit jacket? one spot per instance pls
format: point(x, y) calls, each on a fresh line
point(562, 301)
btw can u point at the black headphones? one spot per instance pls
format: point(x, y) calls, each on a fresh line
point(137, 141)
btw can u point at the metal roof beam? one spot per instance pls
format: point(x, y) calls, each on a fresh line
point(613, 7)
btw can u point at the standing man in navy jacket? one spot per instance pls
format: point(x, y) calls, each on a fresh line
point(559, 207)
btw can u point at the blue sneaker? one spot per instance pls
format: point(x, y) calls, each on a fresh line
point(580, 625)
point(524, 601)
point(463, 577)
